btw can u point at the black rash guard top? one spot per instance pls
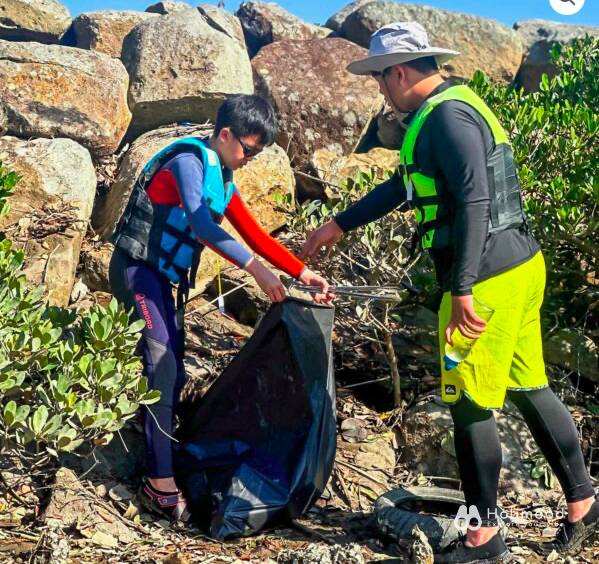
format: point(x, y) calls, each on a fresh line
point(453, 146)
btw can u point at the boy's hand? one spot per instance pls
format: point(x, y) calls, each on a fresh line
point(325, 236)
point(268, 282)
point(310, 278)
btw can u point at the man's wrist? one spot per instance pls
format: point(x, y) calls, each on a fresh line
point(461, 293)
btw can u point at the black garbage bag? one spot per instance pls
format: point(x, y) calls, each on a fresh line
point(258, 449)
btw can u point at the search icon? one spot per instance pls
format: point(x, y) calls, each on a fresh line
point(567, 7)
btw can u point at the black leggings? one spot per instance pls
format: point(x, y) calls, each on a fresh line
point(478, 448)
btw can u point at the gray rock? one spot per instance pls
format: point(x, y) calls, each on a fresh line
point(181, 68)
point(426, 445)
point(336, 21)
point(221, 20)
point(266, 22)
point(103, 31)
point(33, 20)
point(55, 173)
point(56, 91)
point(320, 105)
point(483, 43)
point(167, 7)
point(539, 36)
point(95, 268)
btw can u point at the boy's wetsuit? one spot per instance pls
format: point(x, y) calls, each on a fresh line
point(139, 285)
point(504, 267)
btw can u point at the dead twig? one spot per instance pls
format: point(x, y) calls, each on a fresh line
point(362, 473)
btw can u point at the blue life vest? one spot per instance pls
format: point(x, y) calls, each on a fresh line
point(161, 234)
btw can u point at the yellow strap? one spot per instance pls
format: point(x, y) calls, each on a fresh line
point(221, 299)
point(220, 285)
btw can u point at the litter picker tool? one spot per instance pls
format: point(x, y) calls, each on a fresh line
point(378, 293)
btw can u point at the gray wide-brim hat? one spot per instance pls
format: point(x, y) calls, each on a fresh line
point(398, 43)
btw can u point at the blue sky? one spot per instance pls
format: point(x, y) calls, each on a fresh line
point(507, 11)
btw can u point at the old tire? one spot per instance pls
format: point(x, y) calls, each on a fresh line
point(398, 511)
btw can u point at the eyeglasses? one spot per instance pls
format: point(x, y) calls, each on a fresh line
point(248, 150)
point(379, 74)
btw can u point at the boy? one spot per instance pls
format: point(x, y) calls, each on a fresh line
point(174, 212)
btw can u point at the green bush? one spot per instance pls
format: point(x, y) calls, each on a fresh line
point(65, 382)
point(555, 135)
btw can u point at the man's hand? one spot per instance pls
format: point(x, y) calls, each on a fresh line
point(325, 236)
point(310, 278)
point(464, 318)
point(269, 282)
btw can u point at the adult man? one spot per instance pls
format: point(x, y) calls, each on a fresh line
point(174, 211)
point(458, 171)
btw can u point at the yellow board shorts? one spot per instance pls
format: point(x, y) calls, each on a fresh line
point(509, 354)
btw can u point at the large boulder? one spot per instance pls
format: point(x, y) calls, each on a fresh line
point(335, 22)
point(222, 20)
point(258, 181)
point(483, 43)
point(425, 439)
point(182, 69)
point(319, 104)
point(168, 7)
point(539, 36)
point(56, 91)
point(266, 22)
point(50, 208)
point(33, 20)
point(103, 31)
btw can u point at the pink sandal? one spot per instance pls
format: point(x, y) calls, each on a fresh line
point(172, 505)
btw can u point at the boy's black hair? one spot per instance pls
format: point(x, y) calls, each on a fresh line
point(424, 65)
point(247, 114)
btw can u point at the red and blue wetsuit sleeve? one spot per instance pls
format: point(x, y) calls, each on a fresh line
point(180, 182)
point(259, 240)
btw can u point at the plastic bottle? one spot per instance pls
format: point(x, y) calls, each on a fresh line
point(456, 353)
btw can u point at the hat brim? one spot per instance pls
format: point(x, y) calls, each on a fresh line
point(379, 63)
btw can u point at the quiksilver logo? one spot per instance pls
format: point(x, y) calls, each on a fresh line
point(450, 390)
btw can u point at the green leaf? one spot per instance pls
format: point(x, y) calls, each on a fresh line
point(10, 413)
point(136, 327)
point(150, 397)
point(53, 425)
point(65, 437)
point(22, 413)
point(39, 419)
